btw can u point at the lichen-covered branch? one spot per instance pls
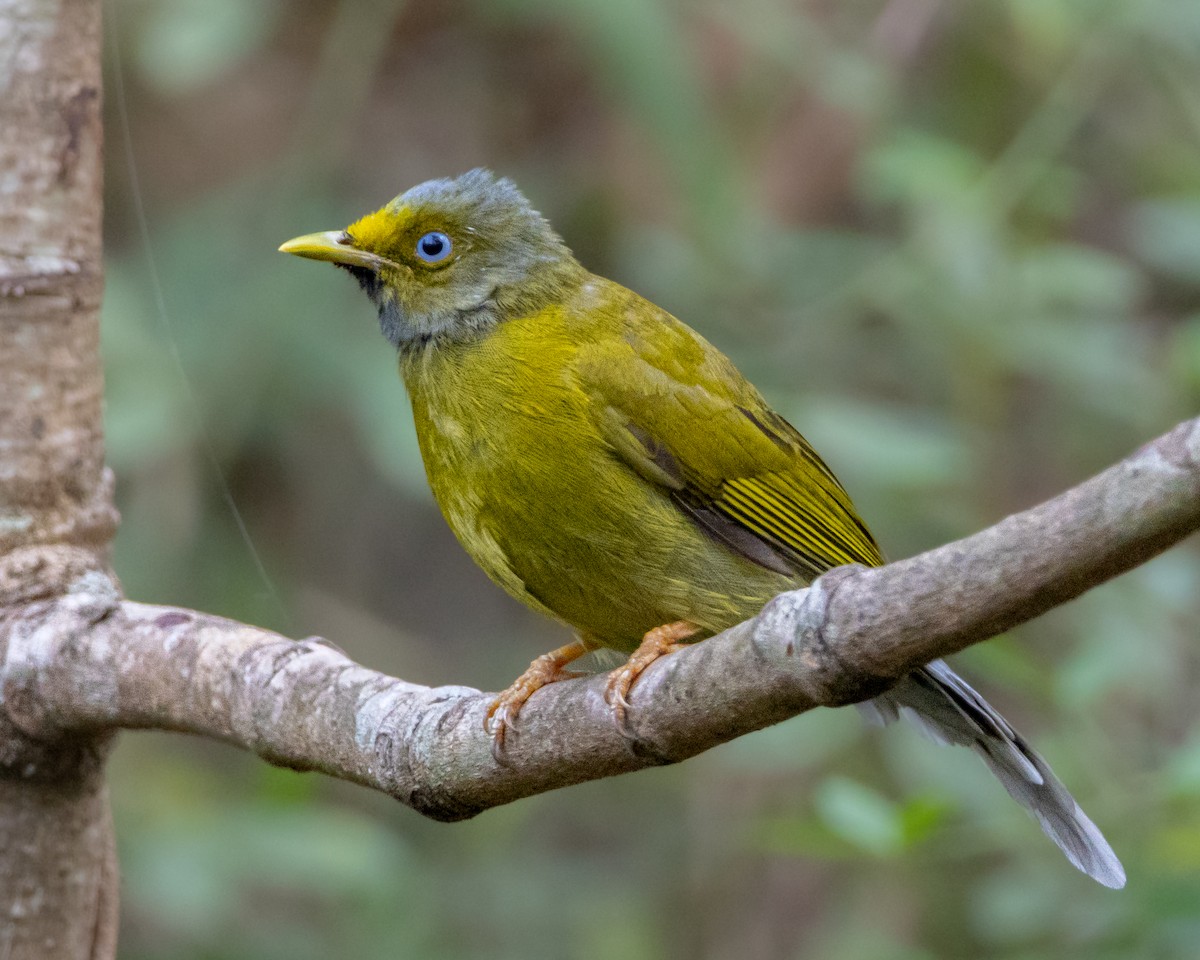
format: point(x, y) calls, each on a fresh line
point(845, 638)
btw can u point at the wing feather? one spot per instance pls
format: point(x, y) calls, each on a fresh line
point(681, 415)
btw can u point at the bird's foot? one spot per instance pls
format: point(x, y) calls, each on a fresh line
point(548, 668)
point(656, 643)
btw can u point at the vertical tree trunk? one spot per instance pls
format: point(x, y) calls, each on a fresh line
point(57, 866)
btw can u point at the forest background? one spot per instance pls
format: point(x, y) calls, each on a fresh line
point(958, 245)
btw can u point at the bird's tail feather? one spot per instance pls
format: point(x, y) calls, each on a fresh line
point(945, 707)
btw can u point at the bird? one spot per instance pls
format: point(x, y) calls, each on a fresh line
point(610, 468)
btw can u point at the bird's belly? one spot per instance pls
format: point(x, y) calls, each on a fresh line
point(569, 529)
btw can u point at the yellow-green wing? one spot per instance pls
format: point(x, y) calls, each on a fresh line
point(679, 413)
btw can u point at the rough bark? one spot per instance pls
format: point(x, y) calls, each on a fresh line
point(57, 889)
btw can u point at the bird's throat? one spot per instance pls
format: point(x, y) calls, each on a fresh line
point(411, 333)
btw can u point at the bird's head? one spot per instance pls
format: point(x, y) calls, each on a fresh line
point(450, 258)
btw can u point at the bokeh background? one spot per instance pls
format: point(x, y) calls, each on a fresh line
point(957, 244)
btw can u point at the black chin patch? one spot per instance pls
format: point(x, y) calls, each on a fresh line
point(367, 279)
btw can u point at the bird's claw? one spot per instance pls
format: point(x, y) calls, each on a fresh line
point(655, 644)
point(496, 724)
point(501, 716)
point(616, 696)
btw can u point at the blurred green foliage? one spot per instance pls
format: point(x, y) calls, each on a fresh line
point(957, 244)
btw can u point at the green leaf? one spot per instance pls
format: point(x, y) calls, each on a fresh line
point(185, 44)
point(860, 815)
point(1166, 232)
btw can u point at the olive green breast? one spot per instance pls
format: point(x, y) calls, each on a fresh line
point(528, 482)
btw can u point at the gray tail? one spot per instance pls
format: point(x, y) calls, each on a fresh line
point(949, 711)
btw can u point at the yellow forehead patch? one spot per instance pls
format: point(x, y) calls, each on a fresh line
point(382, 230)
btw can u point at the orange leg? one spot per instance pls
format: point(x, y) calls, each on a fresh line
point(656, 643)
point(548, 668)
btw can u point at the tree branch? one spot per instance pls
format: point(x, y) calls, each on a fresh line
point(845, 638)
point(58, 888)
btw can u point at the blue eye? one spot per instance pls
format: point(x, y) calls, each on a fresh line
point(434, 247)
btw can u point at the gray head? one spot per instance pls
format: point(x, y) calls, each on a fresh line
point(450, 257)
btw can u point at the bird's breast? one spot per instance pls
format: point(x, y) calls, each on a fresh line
point(508, 448)
point(542, 502)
